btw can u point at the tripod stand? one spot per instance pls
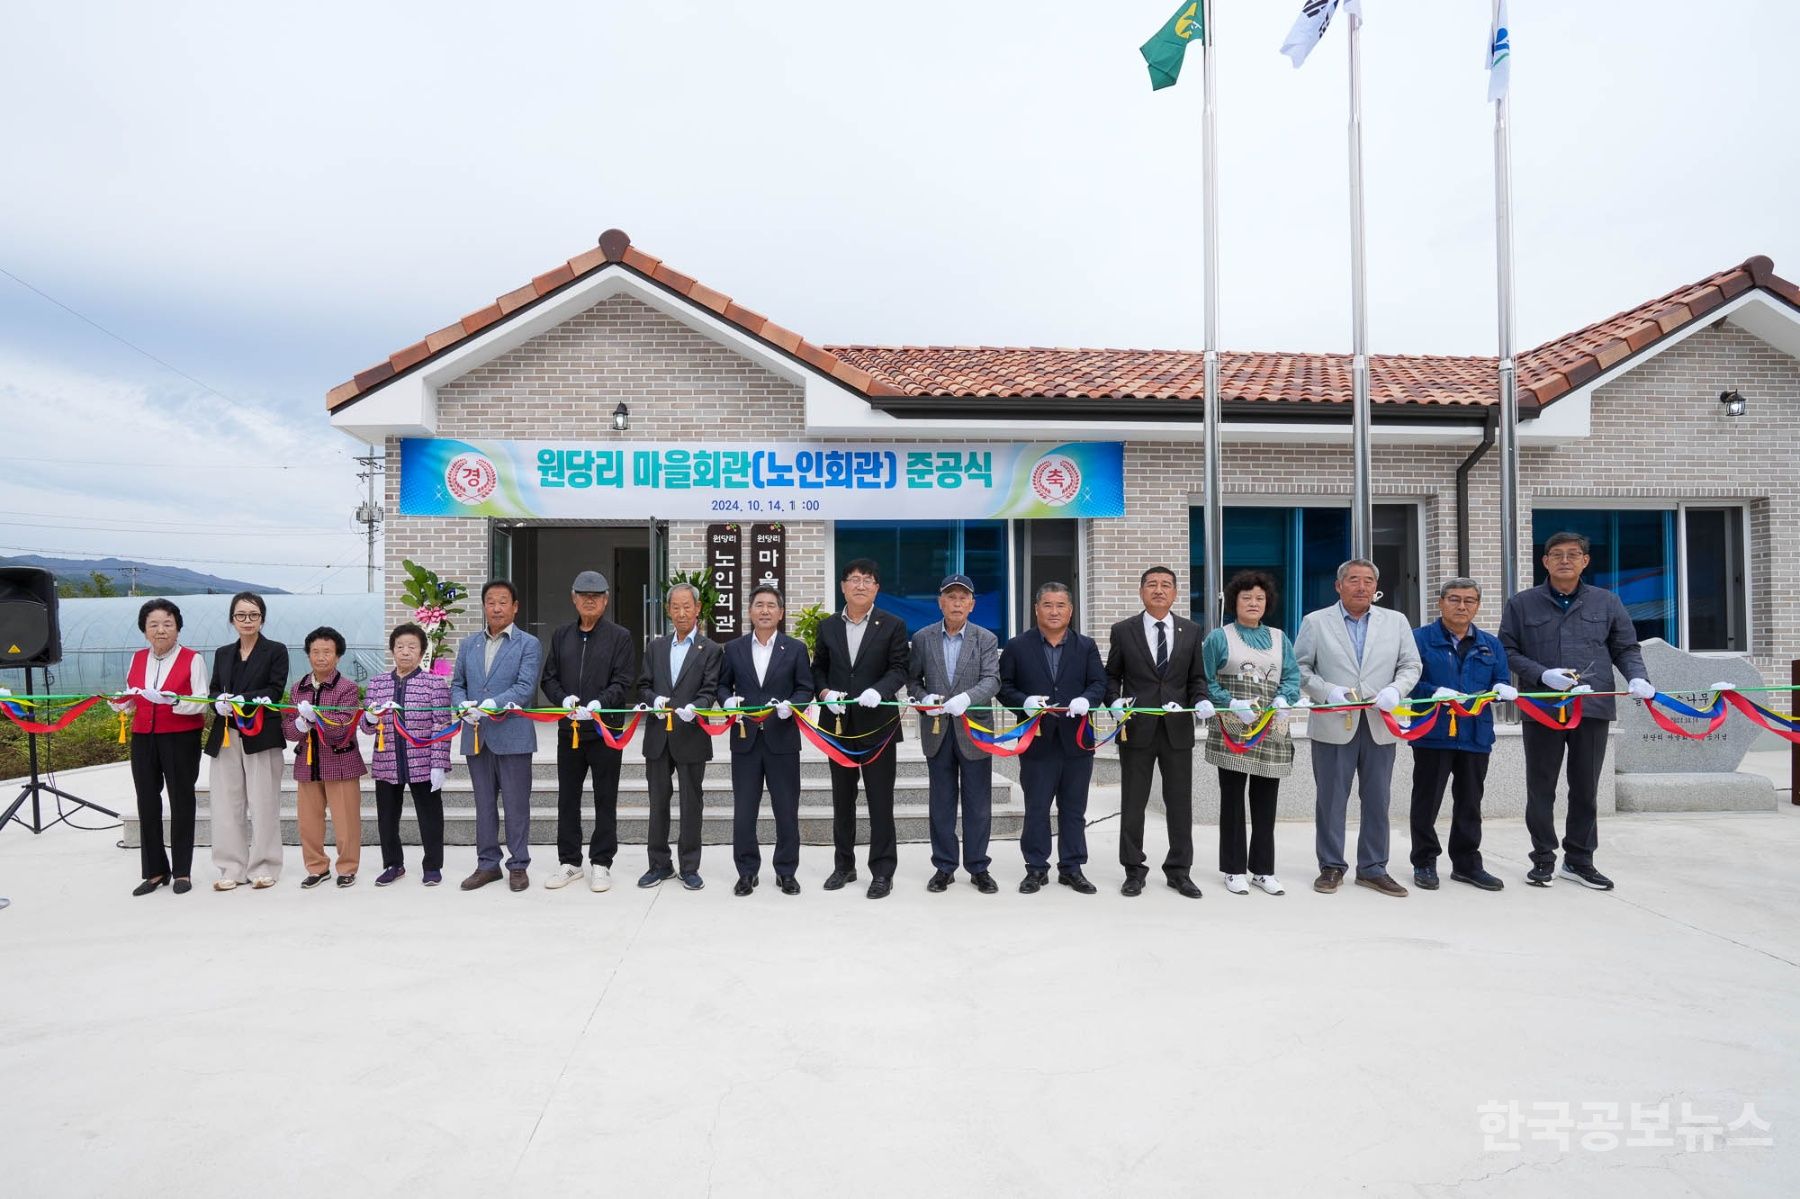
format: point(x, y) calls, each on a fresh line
point(36, 787)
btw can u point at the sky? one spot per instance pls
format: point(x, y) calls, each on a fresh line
point(212, 213)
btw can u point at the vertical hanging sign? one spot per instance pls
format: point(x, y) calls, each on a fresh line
point(768, 556)
point(724, 562)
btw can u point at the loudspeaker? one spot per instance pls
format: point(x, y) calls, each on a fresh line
point(28, 630)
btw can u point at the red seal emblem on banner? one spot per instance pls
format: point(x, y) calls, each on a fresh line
point(1055, 480)
point(470, 478)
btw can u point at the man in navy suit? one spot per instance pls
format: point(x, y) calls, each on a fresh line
point(859, 664)
point(681, 674)
point(1053, 667)
point(766, 667)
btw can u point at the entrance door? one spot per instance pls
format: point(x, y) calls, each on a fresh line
point(548, 557)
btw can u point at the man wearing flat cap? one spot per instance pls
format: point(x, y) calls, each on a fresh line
point(590, 665)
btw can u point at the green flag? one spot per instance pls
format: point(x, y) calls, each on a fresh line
point(1163, 52)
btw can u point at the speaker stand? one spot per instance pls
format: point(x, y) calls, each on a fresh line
point(36, 788)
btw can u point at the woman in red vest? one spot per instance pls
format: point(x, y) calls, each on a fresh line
point(165, 744)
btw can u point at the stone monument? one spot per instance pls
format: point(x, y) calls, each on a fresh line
point(1657, 771)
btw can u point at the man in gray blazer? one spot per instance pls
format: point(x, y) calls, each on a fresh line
point(955, 666)
point(1354, 652)
point(495, 669)
point(681, 674)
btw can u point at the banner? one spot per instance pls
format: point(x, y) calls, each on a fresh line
point(675, 480)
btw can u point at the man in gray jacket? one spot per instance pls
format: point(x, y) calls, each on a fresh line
point(955, 667)
point(1567, 636)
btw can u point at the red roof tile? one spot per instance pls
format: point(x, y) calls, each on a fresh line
point(1545, 372)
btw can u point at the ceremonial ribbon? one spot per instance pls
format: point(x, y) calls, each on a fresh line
point(1254, 733)
point(1568, 711)
point(1010, 744)
point(15, 710)
point(842, 755)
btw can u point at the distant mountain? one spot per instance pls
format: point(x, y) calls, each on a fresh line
point(143, 577)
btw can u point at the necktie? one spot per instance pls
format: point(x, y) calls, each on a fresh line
point(1162, 647)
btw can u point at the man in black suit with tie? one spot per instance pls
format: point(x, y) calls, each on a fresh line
point(1052, 666)
point(681, 673)
point(1154, 661)
point(766, 667)
point(859, 661)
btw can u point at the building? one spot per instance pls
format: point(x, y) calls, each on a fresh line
point(611, 411)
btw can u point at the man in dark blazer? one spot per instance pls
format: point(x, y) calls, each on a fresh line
point(591, 663)
point(681, 674)
point(955, 666)
point(1054, 667)
point(766, 667)
point(1154, 661)
point(859, 662)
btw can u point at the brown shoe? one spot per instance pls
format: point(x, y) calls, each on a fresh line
point(1328, 880)
point(518, 880)
point(479, 879)
point(1383, 883)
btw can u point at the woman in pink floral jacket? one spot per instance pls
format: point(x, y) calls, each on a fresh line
point(420, 701)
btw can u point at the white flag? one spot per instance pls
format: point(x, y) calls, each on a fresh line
point(1310, 25)
point(1499, 55)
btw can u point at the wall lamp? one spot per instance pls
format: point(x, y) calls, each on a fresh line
point(1733, 401)
point(622, 416)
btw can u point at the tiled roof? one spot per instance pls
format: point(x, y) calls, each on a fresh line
point(1551, 370)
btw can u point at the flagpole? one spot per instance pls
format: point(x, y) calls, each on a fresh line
point(1361, 504)
point(1509, 394)
point(1214, 570)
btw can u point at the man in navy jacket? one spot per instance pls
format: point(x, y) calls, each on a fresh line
point(766, 666)
point(1456, 659)
point(1053, 666)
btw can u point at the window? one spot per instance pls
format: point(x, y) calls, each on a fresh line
point(1302, 548)
point(1638, 554)
point(915, 556)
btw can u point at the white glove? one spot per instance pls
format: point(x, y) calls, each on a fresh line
point(933, 704)
point(490, 707)
point(1280, 705)
point(1724, 686)
point(1558, 680)
point(831, 699)
point(640, 707)
point(869, 699)
point(1078, 706)
point(262, 699)
point(154, 696)
point(1034, 703)
point(570, 703)
point(1387, 699)
point(470, 714)
point(305, 708)
point(1240, 708)
point(1172, 707)
point(1337, 697)
point(661, 704)
point(1119, 705)
point(587, 711)
point(1204, 710)
point(371, 714)
point(1583, 689)
point(957, 704)
point(1445, 693)
point(222, 705)
point(437, 779)
point(1505, 692)
point(686, 712)
point(734, 701)
point(784, 710)
point(1641, 689)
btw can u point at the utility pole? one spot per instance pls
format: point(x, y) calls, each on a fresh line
point(369, 513)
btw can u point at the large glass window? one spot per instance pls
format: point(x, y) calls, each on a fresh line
point(1301, 549)
point(915, 556)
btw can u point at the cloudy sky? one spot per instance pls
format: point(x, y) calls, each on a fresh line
point(264, 200)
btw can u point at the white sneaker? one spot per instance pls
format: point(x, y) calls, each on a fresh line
point(602, 880)
point(1269, 883)
point(1235, 884)
point(562, 876)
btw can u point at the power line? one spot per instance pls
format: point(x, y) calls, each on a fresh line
point(164, 560)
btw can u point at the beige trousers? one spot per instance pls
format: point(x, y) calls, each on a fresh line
point(344, 797)
point(246, 813)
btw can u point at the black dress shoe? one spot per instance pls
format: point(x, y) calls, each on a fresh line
point(1033, 881)
point(1134, 887)
point(839, 878)
point(788, 883)
point(745, 885)
point(1077, 880)
point(1185, 885)
point(150, 884)
point(984, 883)
point(880, 887)
point(940, 881)
point(183, 886)
point(1477, 878)
point(1426, 878)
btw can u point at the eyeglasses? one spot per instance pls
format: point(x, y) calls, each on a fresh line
point(246, 617)
point(1462, 601)
point(1565, 556)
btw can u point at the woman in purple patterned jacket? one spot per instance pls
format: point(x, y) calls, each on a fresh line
point(327, 761)
point(421, 700)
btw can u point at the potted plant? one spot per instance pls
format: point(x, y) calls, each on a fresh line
point(806, 626)
point(431, 597)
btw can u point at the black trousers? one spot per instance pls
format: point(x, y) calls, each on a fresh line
point(665, 774)
point(751, 771)
point(390, 799)
point(878, 793)
point(1262, 794)
point(168, 761)
point(1585, 745)
point(1137, 758)
point(1466, 774)
point(573, 765)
